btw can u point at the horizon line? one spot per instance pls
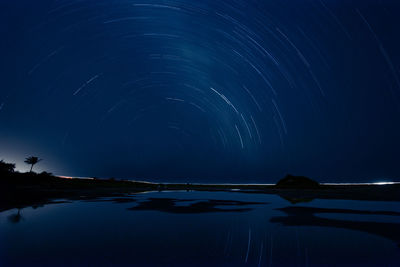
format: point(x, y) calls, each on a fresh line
point(197, 183)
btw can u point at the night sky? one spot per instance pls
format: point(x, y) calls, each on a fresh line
point(202, 91)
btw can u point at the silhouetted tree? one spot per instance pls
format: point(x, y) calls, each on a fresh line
point(6, 167)
point(32, 161)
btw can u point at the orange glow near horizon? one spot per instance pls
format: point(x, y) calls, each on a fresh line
point(71, 177)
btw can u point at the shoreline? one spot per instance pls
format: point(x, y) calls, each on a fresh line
point(25, 191)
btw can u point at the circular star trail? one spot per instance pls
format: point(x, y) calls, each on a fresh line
point(227, 91)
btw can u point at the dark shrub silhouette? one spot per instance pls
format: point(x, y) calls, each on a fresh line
point(32, 161)
point(291, 181)
point(6, 168)
point(46, 174)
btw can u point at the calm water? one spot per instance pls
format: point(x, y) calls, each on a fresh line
point(202, 228)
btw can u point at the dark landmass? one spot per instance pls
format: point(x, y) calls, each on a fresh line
point(19, 190)
point(296, 182)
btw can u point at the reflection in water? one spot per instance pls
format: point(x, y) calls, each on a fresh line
point(15, 218)
point(169, 205)
point(305, 216)
point(296, 200)
point(198, 229)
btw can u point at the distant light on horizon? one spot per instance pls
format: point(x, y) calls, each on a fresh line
point(72, 177)
point(373, 183)
point(385, 183)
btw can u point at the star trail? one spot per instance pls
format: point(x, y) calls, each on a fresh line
point(207, 91)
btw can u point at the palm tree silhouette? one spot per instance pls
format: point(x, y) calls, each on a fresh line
point(32, 161)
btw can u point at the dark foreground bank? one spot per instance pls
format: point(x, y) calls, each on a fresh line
point(29, 189)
